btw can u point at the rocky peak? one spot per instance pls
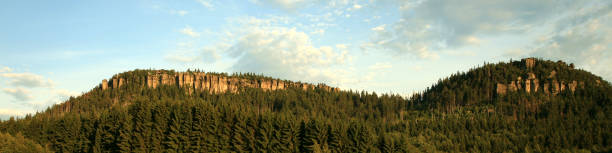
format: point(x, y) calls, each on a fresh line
point(529, 62)
point(114, 82)
point(533, 85)
point(213, 83)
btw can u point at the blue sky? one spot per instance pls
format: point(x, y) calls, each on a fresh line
point(51, 50)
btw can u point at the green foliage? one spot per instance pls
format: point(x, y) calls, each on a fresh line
point(458, 114)
point(18, 143)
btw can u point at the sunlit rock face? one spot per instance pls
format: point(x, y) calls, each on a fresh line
point(213, 83)
point(533, 85)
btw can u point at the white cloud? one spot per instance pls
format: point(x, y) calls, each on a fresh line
point(357, 6)
point(27, 80)
point(427, 27)
point(379, 28)
point(25, 88)
point(288, 5)
point(179, 12)
point(587, 43)
point(206, 3)
point(7, 113)
point(269, 47)
point(5, 69)
point(416, 68)
point(284, 52)
point(380, 66)
point(471, 40)
point(188, 31)
point(582, 36)
point(19, 93)
point(318, 32)
point(53, 96)
point(464, 52)
point(65, 94)
point(399, 40)
point(59, 96)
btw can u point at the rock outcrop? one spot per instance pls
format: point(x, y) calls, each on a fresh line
point(529, 62)
point(114, 82)
point(104, 84)
point(501, 88)
point(213, 83)
point(533, 85)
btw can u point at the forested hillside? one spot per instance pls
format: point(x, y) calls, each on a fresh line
point(486, 109)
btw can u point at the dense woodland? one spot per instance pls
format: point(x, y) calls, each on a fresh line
point(460, 113)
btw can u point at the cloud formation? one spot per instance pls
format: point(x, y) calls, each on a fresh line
point(427, 27)
point(189, 32)
point(29, 80)
point(585, 38)
point(286, 53)
point(268, 46)
point(380, 66)
point(31, 91)
point(288, 5)
point(206, 3)
point(5, 69)
point(19, 93)
point(7, 113)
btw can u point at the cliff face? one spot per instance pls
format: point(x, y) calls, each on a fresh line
point(533, 85)
point(213, 83)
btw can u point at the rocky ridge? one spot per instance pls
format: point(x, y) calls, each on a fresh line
point(213, 83)
point(532, 85)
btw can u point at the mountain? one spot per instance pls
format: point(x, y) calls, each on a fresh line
point(123, 87)
point(535, 79)
point(531, 105)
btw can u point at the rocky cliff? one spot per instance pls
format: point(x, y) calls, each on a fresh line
point(213, 83)
point(549, 85)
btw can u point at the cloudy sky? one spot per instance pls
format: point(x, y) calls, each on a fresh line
point(50, 50)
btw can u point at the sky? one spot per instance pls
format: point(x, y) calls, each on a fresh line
point(51, 50)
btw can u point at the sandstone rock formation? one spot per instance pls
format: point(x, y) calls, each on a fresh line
point(113, 83)
point(104, 84)
point(501, 88)
point(213, 83)
point(529, 62)
point(532, 84)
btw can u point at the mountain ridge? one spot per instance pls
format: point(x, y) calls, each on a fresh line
point(539, 78)
point(485, 84)
point(212, 82)
point(153, 112)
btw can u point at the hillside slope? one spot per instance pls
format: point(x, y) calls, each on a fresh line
point(535, 79)
point(487, 109)
point(123, 87)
